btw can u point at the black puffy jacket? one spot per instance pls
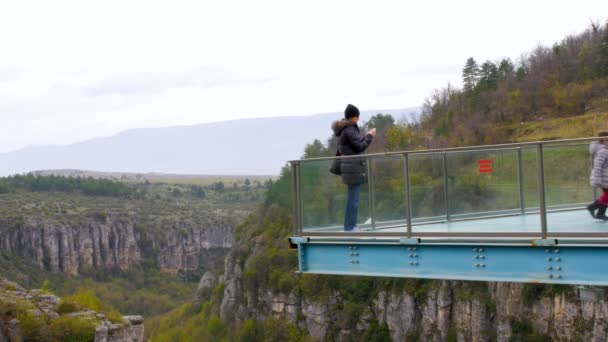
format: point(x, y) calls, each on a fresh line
point(351, 142)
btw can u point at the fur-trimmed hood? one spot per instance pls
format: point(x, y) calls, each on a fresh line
point(340, 125)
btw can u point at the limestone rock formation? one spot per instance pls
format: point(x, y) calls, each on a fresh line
point(449, 310)
point(36, 305)
point(111, 241)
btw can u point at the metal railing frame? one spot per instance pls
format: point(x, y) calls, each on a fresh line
point(543, 233)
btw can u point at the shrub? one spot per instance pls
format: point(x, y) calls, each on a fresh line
point(378, 333)
point(32, 327)
point(86, 299)
point(216, 328)
point(250, 331)
point(115, 317)
point(67, 307)
point(72, 329)
point(46, 286)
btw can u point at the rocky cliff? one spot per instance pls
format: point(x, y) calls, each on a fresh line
point(432, 311)
point(112, 241)
point(34, 315)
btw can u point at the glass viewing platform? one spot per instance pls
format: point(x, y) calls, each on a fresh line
point(535, 190)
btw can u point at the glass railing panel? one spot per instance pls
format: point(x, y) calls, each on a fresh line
point(483, 183)
point(567, 190)
point(323, 199)
point(567, 170)
point(483, 193)
point(427, 189)
point(388, 192)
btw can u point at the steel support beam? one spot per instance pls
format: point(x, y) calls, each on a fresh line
point(577, 265)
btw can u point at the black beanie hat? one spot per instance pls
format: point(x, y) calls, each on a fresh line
point(351, 111)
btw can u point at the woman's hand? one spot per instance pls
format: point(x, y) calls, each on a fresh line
point(372, 132)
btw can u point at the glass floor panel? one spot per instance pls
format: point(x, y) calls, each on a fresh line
point(570, 221)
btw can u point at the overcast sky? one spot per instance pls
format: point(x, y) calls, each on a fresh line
point(72, 70)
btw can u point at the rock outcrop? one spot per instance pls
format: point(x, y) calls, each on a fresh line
point(181, 249)
point(111, 241)
point(17, 303)
point(130, 331)
point(447, 311)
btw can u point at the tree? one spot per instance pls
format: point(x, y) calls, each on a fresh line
point(219, 186)
point(505, 69)
point(198, 191)
point(247, 184)
point(315, 149)
point(488, 75)
point(380, 122)
point(470, 74)
point(399, 138)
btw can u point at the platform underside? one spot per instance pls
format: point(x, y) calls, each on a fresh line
point(557, 264)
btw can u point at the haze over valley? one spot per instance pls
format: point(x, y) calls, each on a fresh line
point(259, 146)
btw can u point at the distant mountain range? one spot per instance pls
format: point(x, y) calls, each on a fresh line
point(240, 147)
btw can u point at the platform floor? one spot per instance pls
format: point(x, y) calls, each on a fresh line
point(561, 221)
point(558, 222)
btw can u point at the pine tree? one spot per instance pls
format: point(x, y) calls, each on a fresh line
point(315, 149)
point(470, 74)
point(505, 69)
point(488, 75)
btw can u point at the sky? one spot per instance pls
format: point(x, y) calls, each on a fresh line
point(74, 70)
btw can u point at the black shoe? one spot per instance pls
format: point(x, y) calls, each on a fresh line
point(601, 212)
point(593, 207)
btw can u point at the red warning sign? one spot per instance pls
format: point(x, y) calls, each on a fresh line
point(485, 166)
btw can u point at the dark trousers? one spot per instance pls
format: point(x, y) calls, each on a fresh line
point(352, 207)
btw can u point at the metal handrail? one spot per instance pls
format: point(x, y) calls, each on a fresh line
point(454, 149)
point(518, 147)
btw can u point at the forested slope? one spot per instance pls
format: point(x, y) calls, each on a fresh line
point(563, 81)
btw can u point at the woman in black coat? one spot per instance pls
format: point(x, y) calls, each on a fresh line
point(354, 170)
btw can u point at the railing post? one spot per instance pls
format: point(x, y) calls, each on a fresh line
point(408, 196)
point(593, 189)
point(520, 179)
point(445, 186)
point(296, 197)
point(541, 190)
point(372, 210)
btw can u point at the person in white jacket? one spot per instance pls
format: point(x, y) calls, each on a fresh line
point(599, 176)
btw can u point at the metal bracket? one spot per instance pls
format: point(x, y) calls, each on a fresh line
point(295, 241)
point(409, 241)
point(544, 242)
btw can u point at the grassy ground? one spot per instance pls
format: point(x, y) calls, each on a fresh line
point(561, 128)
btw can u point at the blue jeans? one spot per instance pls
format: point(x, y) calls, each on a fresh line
point(352, 207)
